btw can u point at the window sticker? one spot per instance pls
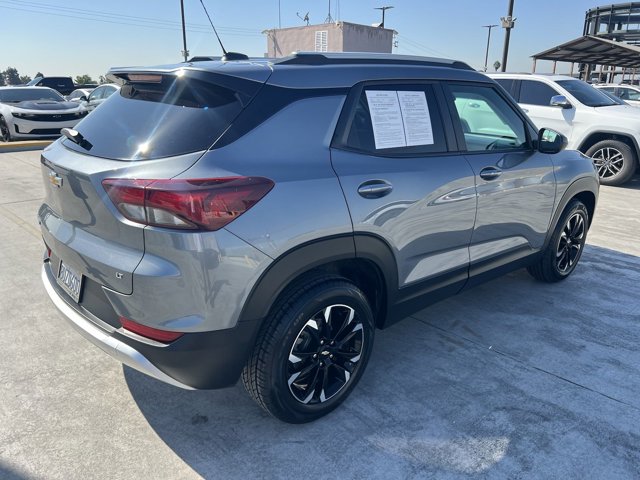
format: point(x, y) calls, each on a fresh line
point(386, 119)
point(416, 119)
point(399, 118)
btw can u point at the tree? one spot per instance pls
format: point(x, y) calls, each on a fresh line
point(2, 84)
point(102, 79)
point(25, 78)
point(497, 65)
point(83, 79)
point(11, 76)
point(39, 74)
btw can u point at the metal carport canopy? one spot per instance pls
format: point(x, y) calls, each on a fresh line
point(594, 50)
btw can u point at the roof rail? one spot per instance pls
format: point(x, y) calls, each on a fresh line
point(315, 58)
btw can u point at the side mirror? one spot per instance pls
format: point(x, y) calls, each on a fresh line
point(560, 101)
point(83, 98)
point(550, 141)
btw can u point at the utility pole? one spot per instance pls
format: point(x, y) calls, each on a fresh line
point(508, 23)
point(185, 52)
point(486, 56)
point(384, 9)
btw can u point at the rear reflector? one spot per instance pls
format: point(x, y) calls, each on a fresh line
point(152, 333)
point(199, 204)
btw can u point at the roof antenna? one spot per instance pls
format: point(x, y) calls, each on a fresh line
point(305, 18)
point(227, 55)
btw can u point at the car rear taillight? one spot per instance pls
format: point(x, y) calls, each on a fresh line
point(164, 336)
point(207, 204)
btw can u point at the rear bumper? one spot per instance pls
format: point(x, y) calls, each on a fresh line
point(204, 360)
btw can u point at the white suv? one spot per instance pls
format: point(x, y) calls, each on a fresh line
point(592, 122)
point(628, 93)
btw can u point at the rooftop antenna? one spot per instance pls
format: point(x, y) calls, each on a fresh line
point(329, 18)
point(227, 55)
point(305, 18)
point(384, 9)
point(185, 52)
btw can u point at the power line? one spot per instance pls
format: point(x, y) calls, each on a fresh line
point(128, 19)
point(422, 47)
point(88, 12)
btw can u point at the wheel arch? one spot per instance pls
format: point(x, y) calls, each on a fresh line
point(599, 136)
point(584, 189)
point(365, 260)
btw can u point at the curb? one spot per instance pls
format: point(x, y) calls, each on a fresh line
point(6, 147)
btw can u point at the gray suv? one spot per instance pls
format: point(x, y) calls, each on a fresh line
point(260, 219)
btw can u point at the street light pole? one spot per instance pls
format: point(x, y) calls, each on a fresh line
point(508, 23)
point(486, 56)
point(185, 52)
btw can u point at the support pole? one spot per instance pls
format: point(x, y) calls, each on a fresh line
point(555, 64)
point(533, 69)
point(571, 71)
point(508, 24)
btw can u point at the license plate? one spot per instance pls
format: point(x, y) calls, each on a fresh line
point(70, 281)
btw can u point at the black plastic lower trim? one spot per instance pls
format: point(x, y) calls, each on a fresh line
point(204, 360)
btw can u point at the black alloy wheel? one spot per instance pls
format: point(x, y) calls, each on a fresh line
point(5, 133)
point(563, 251)
point(312, 349)
point(570, 243)
point(325, 354)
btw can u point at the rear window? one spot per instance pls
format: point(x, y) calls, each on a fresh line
point(176, 116)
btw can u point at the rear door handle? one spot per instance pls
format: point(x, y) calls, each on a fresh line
point(375, 189)
point(490, 173)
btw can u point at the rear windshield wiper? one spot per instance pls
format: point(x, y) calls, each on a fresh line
point(77, 138)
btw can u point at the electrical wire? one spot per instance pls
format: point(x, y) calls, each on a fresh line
point(119, 19)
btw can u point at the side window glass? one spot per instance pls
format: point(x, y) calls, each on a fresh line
point(401, 120)
point(508, 84)
point(487, 120)
point(96, 94)
point(536, 93)
point(108, 91)
point(628, 94)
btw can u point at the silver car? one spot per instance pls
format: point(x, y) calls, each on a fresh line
point(261, 219)
point(99, 95)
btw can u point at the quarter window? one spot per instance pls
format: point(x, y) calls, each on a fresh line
point(396, 120)
point(487, 121)
point(536, 93)
point(629, 94)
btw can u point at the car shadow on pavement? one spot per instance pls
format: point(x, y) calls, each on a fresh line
point(512, 377)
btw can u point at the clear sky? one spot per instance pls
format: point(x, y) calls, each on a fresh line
point(74, 37)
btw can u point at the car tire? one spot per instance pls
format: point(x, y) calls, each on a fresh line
point(312, 350)
point(565, 248)
point(614, 160)
point(5, 133)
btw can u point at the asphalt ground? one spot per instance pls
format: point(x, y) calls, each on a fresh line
point(513, 379)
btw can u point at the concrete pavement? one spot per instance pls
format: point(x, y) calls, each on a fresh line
point(513, 379)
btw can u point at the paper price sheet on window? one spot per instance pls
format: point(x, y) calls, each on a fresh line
point(399, 118)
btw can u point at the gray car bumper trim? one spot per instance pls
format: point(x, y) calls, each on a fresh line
point(114, 347)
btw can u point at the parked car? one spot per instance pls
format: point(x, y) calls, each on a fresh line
point(261, 219)
point(99, 95)
point(628, 93)
point(79, 95)
point(63, 85)
point(33, 112)
point(593, 123)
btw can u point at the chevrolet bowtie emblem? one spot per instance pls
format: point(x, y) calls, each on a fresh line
point(55, 179)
